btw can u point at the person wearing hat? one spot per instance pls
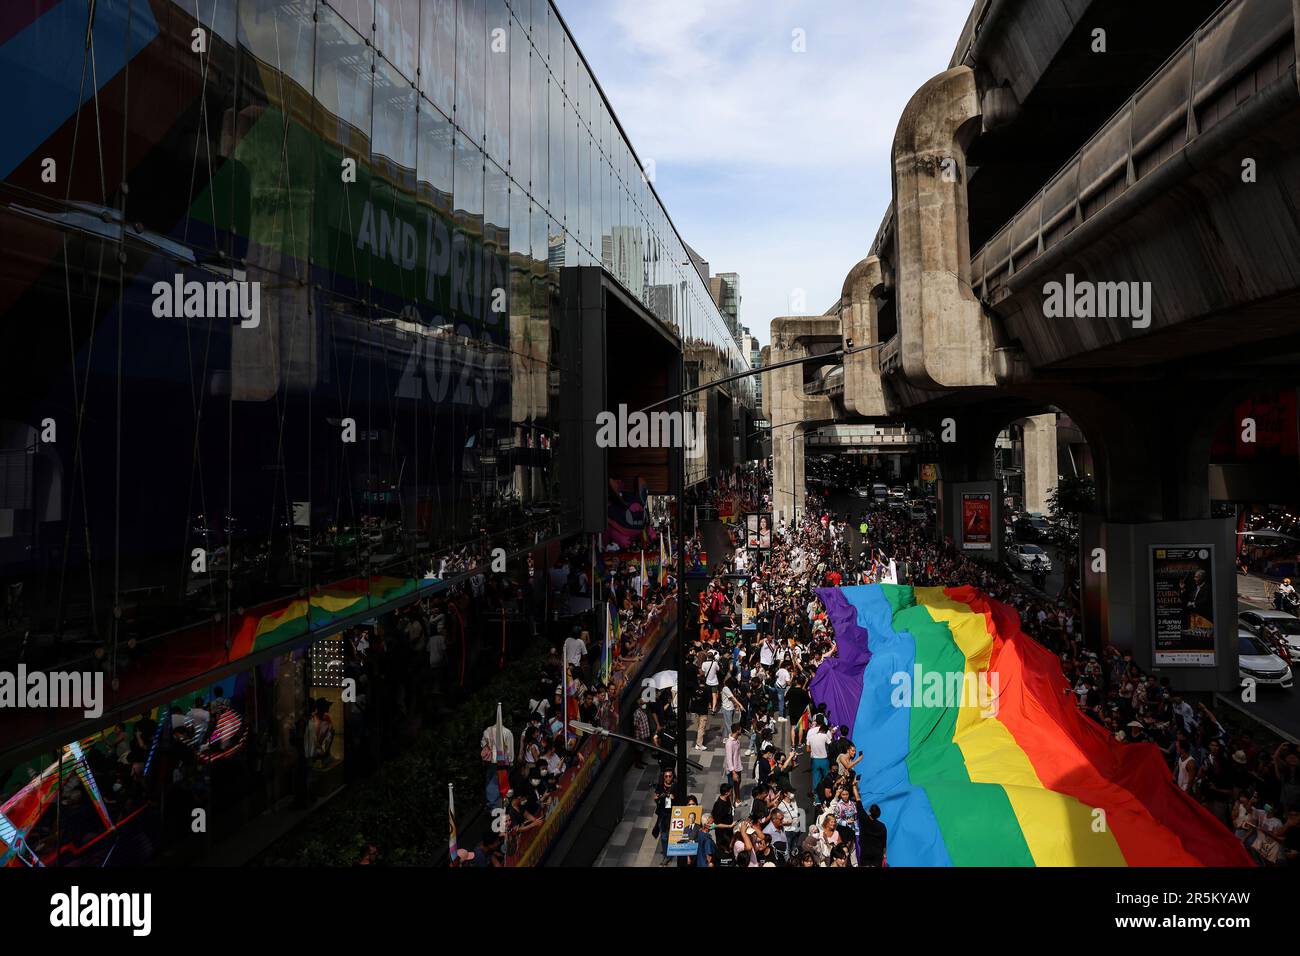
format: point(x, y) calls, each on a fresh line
point(1284, 598)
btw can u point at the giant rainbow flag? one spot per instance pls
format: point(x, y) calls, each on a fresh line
point(1017, 780)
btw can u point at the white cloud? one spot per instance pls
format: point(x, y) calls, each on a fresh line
point(773, 164)
point(718, 82)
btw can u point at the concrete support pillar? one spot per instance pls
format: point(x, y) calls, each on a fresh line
point(1151, 449)
point(944, 337)
point(1041, 469)
point(864, 392)
point(788, 487)
point(789, 409)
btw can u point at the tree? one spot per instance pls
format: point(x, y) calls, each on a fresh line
point(1072, 496)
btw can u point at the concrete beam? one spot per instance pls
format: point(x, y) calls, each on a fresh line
point(945, 338)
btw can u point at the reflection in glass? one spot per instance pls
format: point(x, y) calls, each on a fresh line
point(520, 101)
point(438, 52)
point(498, 40)
point(397, 34)
point(471, 67)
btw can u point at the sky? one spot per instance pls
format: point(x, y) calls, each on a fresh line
point(772, 163)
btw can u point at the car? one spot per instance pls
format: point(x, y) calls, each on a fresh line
point(1286, 624)
point(898, 491)
point(864, 491)
point(1024, 557)
point(879, 491)
point(897, 504)
point(1257, 664)
point(1032, 528)
point(917, 512)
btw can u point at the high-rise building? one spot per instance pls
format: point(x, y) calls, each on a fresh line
point(725, 290)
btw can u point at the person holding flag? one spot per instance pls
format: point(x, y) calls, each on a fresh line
point(451, 823)
point(607, 651)
point(497, 750)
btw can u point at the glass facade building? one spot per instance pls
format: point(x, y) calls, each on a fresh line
point(396, 186)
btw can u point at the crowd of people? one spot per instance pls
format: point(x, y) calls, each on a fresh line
point(525, 759)
point(757, 676)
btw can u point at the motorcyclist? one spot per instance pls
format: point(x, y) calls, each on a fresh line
point(1037, 573)
point(1285, 598)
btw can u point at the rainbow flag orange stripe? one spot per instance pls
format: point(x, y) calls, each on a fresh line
point(978, 756)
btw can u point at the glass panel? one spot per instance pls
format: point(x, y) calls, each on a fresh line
point(520, 100)
point(571, 167)
point(588, 195)
point(471, 67)
point(556, 160)
point(555, 56)
point(522, 11)
point(438, 52)
point(434, 190)
point(496, 248)
point(539, 174)
point(342, 121)
point(498, 81)
point(541, 24)
point(273, 160)
point(571, 89)
point(467, 243)
point(391, 228)
point(359, 13)
point(397, 34)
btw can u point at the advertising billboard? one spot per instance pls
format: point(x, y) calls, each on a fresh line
point(1182, 604)
point(976, 521)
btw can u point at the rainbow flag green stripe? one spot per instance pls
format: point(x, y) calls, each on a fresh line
point(978, 823)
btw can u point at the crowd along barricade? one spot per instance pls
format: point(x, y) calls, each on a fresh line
point(530, 847)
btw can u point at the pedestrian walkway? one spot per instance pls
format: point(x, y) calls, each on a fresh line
point(631, 843)
point(1256, 589)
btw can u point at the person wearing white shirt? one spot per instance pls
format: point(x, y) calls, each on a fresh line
point(712, 671)
point(199, 719)
point(779, 684)
point(575, 649)
point(766, 652)
point(818, 738)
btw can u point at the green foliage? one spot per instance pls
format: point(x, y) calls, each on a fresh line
point(402, 808)
point(1071, 497)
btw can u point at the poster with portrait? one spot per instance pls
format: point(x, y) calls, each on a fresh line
point(976, 521)
point(1182, 604)
point(684, 831)
point(758, 530)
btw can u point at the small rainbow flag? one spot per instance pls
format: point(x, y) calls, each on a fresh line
point(451, 820)
point(607, 648)
point(976, 752)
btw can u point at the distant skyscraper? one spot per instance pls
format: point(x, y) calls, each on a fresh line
point(725, 289)
point(701, 264)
